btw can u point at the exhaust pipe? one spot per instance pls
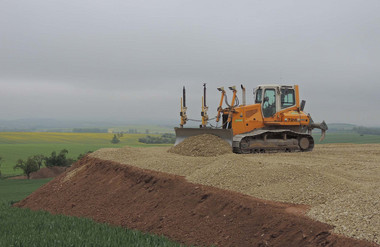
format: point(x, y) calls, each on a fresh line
point(243, 94)
point(184, 96)
point(302, 106)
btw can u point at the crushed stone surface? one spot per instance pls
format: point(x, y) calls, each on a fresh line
point(341, 182)
point(205, 145)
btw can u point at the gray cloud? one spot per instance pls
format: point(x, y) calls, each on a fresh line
point(129, 59)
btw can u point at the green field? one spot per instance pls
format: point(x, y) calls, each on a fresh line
point(20, 145)
point(346, 138)
point(66, 138)
point(16, 190)
point(22, 227)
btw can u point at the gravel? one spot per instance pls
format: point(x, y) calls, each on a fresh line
point(205, 145)
point(341, 182)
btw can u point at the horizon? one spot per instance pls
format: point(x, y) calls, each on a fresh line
point(72, 124)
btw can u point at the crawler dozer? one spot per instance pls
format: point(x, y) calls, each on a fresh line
point(275, 122)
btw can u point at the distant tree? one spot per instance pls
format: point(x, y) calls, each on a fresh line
point(28, 166)
point(89, 130)
point(58, 160)
point(367, 131)
point(115, 139)
point(164, 138)
point(39, 158)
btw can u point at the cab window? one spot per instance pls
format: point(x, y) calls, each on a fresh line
point(259, 95)
point(269, 103)
point(287, 98)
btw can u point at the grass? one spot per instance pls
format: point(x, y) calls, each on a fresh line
point(22, 227)
point(347, 138)
point(20, 145)
point(18, 189)
point(65, 138)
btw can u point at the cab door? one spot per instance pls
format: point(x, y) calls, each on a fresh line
point(269, 103)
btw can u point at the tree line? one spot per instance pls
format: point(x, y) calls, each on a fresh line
point(367, 131)
point(163, 139)
point(89, 130)
point(35, 162)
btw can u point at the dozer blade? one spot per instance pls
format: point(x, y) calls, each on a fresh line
point(182, 133)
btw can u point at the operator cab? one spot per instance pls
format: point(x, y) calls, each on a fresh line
point(274, 98)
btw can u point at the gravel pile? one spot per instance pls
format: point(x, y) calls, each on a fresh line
point(341, 182)
point(205, 145)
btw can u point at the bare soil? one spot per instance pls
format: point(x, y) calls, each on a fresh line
point(168, 204)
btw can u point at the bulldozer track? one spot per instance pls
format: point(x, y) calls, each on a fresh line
point(262, 141)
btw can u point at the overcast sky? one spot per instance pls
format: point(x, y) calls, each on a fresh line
point(128, 60)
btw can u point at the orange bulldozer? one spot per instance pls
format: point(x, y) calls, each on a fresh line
point(275, 122)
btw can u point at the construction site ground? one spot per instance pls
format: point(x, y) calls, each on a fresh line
point(337, 184)
point(341, 182)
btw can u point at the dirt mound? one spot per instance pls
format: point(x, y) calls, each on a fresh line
point(167, 204)
point(205, 145)
point(48, 172)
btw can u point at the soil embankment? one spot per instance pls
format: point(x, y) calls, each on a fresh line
point(167, 204)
